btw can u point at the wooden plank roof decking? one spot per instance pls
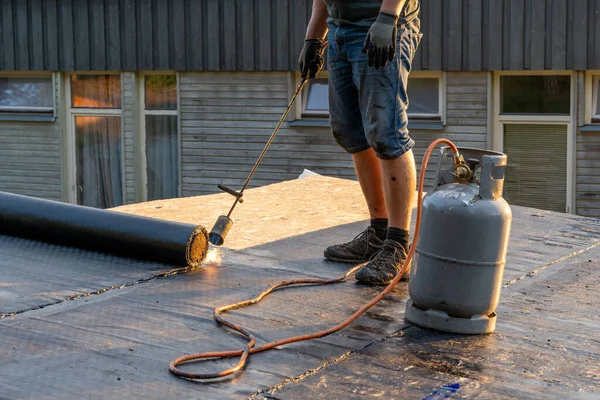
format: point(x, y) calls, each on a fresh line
point(118, 343)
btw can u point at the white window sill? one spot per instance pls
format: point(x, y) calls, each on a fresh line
point(27, 117)
point(594, 128)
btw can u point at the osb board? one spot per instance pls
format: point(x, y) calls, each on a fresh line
point(268, 213)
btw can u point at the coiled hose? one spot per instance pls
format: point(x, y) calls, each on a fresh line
point(250, 349)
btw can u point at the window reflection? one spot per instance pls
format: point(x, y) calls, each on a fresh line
point(96, 91)
point(26, 93)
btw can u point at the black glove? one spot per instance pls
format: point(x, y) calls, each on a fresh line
point(310, 59)
point(380, 43)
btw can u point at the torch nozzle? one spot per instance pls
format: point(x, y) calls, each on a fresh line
point(220, 230)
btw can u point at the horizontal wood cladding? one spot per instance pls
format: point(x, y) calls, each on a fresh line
point(220, 143)
point(226, 120)
point(267, 35)
point(588, 175)
point(30, 159)
point(130, 129)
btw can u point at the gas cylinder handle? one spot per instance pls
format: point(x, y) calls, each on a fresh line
point(492, 176)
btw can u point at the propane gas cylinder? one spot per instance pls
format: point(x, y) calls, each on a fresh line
point(456, 275)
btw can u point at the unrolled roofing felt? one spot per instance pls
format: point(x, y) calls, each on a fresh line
point(84, 324)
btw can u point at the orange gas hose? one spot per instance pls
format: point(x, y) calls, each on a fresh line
point(250, 349)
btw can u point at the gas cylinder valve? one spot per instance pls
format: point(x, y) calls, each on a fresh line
point(461, 172)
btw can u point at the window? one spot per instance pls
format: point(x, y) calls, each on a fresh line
point(93, 91)
point(595, 99)
point(534, 125)
point(424, 98)
point(95, 109)
point(32, 94)
point(535, 94)
point(425, 92)
point(161, 136)
point(591, 102)
point(316, 98)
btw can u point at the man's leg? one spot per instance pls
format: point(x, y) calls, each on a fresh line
point(399, 183)
point(368, 170)
point(348, 131)
point(384, 102)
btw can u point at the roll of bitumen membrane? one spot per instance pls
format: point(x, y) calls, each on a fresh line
point(104, 231)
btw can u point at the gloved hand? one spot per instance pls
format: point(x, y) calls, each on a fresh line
point(310, 60)
point(380, 43)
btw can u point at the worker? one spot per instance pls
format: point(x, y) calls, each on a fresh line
point(371, 45)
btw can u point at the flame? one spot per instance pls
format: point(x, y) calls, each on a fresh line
point(213, 256)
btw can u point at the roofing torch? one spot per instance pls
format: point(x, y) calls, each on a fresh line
point(223, 225)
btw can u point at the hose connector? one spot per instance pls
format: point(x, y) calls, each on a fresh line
point(462, 173)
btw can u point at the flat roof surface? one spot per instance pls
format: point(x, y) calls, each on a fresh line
point(77, 324)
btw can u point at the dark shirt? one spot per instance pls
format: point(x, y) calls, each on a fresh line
point(363, 13)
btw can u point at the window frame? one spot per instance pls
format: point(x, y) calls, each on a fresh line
point(28, 114)
point(298, 113)
point(592, 82)
point(70, 114)
point(441, 76)
point(304, 100)
point(541, 116)
point(595, 114)
point(499, 120)
point(141, 154)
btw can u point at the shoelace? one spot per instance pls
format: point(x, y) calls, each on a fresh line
point(364, 244)
point(376, 260)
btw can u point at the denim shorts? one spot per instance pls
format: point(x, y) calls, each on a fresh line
point(367, 106)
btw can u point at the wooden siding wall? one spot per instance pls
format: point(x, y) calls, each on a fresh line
point(245, 35)
point(130, 133)
point(130, 35)
point(226, 119)
point(588, 174)
point(494, 35)
point(30, 158)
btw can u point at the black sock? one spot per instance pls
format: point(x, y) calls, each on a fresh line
point(399, 235)
point(380, 226)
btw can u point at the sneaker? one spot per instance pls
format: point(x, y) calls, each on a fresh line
point(359, 250)
point(384, 265)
